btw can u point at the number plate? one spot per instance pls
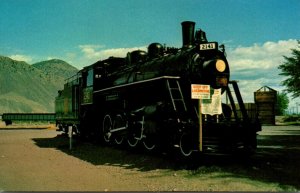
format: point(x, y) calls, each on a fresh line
point(208, 46)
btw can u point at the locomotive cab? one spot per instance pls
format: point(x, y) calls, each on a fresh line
point(67, 103)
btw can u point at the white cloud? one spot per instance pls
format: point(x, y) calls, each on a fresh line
point(119, 52)
point(256, 66)
point(90, 51)
point(265, 56)
point(97, 52)
point(20, 57)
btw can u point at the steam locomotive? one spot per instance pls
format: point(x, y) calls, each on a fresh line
point(166, 98)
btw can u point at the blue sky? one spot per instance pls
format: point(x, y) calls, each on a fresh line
point(256, 33)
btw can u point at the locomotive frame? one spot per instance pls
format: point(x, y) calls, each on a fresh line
point(145, 98)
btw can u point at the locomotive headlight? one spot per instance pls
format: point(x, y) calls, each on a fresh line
point(220, 65)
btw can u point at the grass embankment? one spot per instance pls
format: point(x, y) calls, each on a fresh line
point(28, 125)
point(288, 120)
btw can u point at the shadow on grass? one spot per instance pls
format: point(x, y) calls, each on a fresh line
point(277, 159)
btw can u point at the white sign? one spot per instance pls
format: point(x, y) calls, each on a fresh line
point(213, 106)
point(200, 91)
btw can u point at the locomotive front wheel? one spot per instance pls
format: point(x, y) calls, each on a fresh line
point(149, 142)
point(119, 123)
point(185, 145)
point(132, 140)
point(133, 136)
point(106, 128)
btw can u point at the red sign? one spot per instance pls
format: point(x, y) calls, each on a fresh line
point(200, 91)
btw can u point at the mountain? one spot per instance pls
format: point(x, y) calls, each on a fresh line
point(57, 68)
point(31, 88)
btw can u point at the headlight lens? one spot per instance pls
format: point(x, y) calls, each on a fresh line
point(220, 65)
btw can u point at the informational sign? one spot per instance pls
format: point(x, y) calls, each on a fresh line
point(200, 91)
point(209, 103)
point(212, 106)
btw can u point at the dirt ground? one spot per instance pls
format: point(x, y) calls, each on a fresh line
point(39, 159)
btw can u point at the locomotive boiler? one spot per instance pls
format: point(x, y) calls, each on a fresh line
point(146, 98)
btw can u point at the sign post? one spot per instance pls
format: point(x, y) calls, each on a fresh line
point(70, 130)
point(200, 91)
point(200, 126)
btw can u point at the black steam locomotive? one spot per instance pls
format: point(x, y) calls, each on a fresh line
point(146, 99)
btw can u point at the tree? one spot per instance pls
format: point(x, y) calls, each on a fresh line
point(282, 103)
point(291, 68)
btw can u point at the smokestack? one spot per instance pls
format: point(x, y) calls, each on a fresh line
point(188, 28)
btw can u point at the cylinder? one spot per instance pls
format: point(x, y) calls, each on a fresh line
point(188, 28)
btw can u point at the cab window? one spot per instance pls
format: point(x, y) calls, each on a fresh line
point(90, 77)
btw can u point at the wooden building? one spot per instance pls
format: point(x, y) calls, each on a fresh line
point(265, 99)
